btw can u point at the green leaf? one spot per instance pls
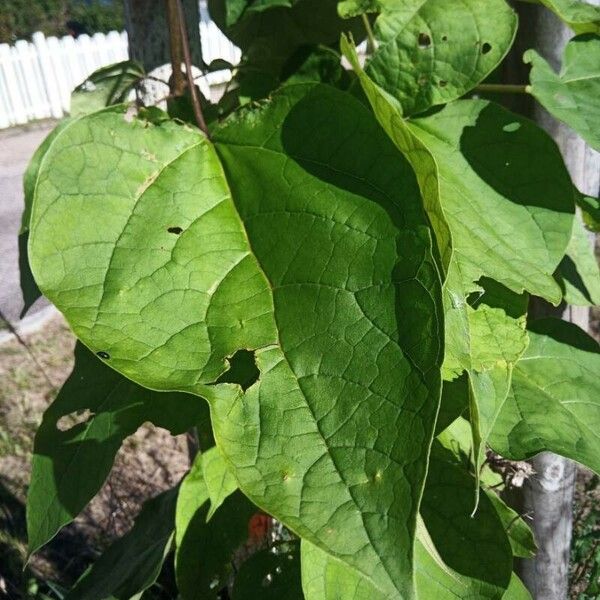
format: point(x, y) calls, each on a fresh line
point(420, 158)
point(446, 510)
point(590, 211)
point(185, 274)
point(572, 95)
point(31, 173)
point(507, 222)
point(578, 272)
point(219, 481)
point(485, 171)
point(204, 549)
point(455, 401)
point(327, 578)
point(237, 10)
point(581, 16)
point(554, 402)
point(270, 39)
point(318, 64)
point(80, 434)
point(484, 561)
point(354, 8)
point(29, 288)
point(506, 193)
point(133, 563)
point(428, 55)
point(519, 534)
point(270, 576)
point(458, 439)
point(516, 590)
point(106, 86)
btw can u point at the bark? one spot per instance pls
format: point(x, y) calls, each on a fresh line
point(148, 31)
point(547, 497)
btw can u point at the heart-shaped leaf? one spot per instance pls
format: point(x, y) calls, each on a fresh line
point(554, 401)
point(580, 15)
point(571, 95)
point(438, 555)
point(196, 251)
point(427, 54)
point(80, 434)
point(578, 272)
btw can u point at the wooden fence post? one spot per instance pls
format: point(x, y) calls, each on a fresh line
point(49, 75)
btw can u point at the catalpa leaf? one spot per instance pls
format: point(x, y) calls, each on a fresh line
point(106, 86)
point(513, 229)
point(270, 574)
point(219, 481)
point(578, 272)
point(519, 533)
point(205, 546)
point(579, 15)
point(389, 115)
point(29, 287)
point(80, 434)
point(496, 179)
point(590, 211)
point(506, 193)
point(554, 401)
point(572, 95)
point(484, 564)
point(326, 578)
point(196, 251)
point(132, 564)
point(428, 55)
point(354, 8)
point(516, 590)
point(458, 439)
point(237, 10)
point(269, 39)
point(446, 509)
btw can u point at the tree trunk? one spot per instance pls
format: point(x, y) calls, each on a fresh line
point(548, 496)
point(148, 31)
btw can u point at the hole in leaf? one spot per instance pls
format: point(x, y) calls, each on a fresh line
point(73, 419)
point(103, 355)
point(486, 48)
point(443, 83)
point(444, 38)
point(242, 370)
point(424, 40)
point(175, 230)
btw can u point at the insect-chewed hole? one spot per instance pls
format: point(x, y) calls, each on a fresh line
point(443, 83)
point(175, 230)
point(242, 370)
point(103, 355)
point(77, 417)
point(444, 38)
point(424, 40)
point(485, 48)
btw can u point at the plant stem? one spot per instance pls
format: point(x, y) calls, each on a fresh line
point(188, 70)
point(176, 81)
point(502, 88)
point(193, 444)
point(371, 43)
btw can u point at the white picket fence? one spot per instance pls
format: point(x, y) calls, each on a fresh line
point(37, 77)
